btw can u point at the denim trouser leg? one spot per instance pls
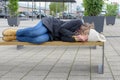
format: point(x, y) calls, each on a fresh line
point(36, 40)
point(37, 34)
point(37, 30)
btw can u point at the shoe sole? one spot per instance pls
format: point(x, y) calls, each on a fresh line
point(5, 40)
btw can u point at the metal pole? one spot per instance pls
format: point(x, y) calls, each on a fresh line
point(70, 4)
point(56, 9)
point(5, 7)
point(63, 9)
point(103, 59)
point(28, 5)
point(32, 9)
point(40, 10)
point(45, 6)
point(68, 7)
point(71, 7)
point(101, 66)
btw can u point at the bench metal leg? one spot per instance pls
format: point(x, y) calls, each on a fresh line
point(101, 66)
point(94, 47)
point(19, 47)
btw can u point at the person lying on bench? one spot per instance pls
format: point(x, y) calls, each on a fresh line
point(50, 29)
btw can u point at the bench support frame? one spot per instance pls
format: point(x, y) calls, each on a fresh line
point(100, 66)
point(20, 47)
point(60, 43)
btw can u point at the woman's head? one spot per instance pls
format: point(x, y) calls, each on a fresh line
point(83, 32)
point(85, 28)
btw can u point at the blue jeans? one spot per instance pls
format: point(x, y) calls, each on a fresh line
point(37, 34)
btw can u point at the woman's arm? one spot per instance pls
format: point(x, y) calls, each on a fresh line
point(68, 28)
point(68, 39)
point(66, 35)
point(66, 32)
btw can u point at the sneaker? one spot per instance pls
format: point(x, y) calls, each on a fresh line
point(9, 32)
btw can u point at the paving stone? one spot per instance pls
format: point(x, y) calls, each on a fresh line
point(13, 74)
point(79, 73)
point(79, 78)
point(37, 73)
point(9, 78)
point(60, 69)
point(33, 78)
point(53, 78)
point(59, 75)
point(117, 77)
point(116, 73)
point(109, 75)
point(102, 78)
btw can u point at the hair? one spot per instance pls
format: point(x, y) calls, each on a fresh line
point(87, 26)
point(90, 26)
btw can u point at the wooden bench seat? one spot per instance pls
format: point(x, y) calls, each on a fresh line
point(61, 43)
point(53, 43)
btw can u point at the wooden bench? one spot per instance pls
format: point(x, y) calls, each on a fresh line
point(60, 43)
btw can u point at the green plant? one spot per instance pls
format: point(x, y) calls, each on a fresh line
point(57, 7)
point(13, 7)
point(111, 10)
point(92, 7)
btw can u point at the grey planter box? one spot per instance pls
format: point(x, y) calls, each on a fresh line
point(13, 21)
point(110, 20)
point(98, 22)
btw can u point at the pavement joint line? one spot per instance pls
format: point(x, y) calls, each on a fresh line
point(38, 64)
point(14, 66)
point(109, 68)
point(55, 64)
point(17, 56)
point(114, 48)
point(108, 62)
point(90, 64)
point(73, 63)
point(18, 64)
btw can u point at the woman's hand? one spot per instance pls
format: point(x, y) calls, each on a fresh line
point(81, 37)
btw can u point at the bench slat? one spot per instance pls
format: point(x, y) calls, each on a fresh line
point(53, 43)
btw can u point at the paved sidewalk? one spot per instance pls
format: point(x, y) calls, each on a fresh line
point(60, 62)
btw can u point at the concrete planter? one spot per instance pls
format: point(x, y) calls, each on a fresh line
point(13, 21)
point(110, 20)
point(98, 22)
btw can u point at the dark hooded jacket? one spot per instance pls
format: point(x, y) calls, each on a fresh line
point(61, 30)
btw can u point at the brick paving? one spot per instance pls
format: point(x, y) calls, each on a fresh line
point(60, 62)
